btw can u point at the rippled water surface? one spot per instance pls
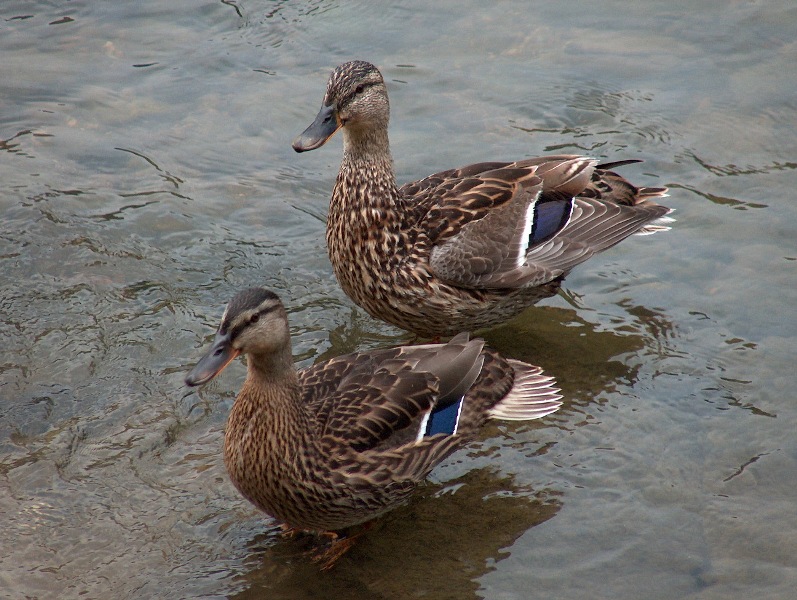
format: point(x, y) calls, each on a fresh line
point(146, 174)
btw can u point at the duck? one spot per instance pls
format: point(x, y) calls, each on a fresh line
point(466, 248)
point(338, 444)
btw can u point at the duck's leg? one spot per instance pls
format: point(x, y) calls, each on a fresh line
point(289, 532)
point(338, 546)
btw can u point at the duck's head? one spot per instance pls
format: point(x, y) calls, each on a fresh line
point(254, 323)
point(356, 98)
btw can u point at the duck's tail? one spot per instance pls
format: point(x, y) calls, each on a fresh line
point(533, 395)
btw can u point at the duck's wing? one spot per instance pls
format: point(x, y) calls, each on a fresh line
point(594, 226)
point(508, 225)
point(388, 417)
point(483, 219)
point(385, 399)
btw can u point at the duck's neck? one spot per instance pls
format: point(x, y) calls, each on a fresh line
point(269, 401)
point(365, 223)
point(275, 379)
point(266, 426)
point(274, 368)
point(366, 171)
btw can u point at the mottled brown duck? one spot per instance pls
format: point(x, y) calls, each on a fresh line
point(465, 248)
point(338, 444)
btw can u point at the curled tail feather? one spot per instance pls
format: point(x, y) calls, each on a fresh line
point(533, 395)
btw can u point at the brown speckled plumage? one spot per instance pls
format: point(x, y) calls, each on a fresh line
point(338, 444)
point(454, 251)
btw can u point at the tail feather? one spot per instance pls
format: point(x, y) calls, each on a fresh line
point(533, 395)
point(645, 193)
point(662, 223)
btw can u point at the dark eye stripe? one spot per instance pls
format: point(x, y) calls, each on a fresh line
point(240, 325)
point(360, 89)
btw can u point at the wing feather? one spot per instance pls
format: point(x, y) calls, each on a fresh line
point(526, 223)
point(378, 400)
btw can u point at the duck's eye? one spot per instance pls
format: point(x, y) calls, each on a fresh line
point(360, 89)
point(254, 318)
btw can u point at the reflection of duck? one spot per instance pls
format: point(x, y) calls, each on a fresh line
point(344, 441)
point(610, 345)
point(464, 248)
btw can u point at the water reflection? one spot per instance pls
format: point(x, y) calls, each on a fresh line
point(717, 199)
point(586, 360)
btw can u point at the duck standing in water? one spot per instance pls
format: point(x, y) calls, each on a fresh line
point(340, 443)
point(465, 248)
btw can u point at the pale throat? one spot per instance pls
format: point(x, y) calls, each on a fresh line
point(272, 366)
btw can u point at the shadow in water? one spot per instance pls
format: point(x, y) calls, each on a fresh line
point(585, 360)
point(437, 546)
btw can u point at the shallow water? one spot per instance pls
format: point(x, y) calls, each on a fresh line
point(147, 174)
